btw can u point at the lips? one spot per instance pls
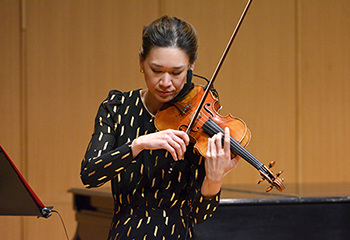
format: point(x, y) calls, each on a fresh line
point(165, 93)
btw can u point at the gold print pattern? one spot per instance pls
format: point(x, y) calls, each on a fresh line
point(99, 161)
point(172, 230)
point(172, 205)
point(156, 161)
point(155, 231)
point(100, 136)
point(128, 234)
point(158, 188)
point(132, 121)
point(205, 217)
point(208, 206)
point(160, 202)
point(138, 132)
point(107, 165)
point(105, 146)
point(153, 182)
point(183, 222)
point(139, 224)
point(116, 225)
point(101, 178)
point(182, 203)
point(122, 131)
point(200, 160)
point(126, 110)
point(126, 155)
point(119, 169)
point(141, 169)
point(167, 187)
point(92, 173)
point(172, 197)
point(115, 153)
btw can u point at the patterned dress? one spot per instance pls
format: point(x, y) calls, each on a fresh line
point(154, 196)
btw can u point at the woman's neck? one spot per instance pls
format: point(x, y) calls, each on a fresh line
point(150, 104)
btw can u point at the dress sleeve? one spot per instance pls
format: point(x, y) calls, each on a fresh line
point(103, 160)
point(203, 209)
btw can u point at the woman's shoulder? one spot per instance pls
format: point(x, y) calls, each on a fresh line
point(118, 97)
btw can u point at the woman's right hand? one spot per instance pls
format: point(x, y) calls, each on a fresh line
point(174, 141)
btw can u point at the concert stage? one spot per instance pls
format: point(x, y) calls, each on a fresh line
point(307, 211)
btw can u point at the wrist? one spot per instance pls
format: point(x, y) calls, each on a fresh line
point(136, 147)
point(210, 187)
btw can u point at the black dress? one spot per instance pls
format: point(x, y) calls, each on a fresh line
point(154, 196)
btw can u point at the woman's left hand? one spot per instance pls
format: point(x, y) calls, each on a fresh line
point(218, 163)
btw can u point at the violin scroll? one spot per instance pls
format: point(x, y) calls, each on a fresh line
point(274, 180)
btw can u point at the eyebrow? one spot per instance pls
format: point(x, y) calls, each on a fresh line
point(157, 65)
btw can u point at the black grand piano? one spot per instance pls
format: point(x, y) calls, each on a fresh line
point(247, 212)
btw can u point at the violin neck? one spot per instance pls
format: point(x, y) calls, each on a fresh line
point(212, 128)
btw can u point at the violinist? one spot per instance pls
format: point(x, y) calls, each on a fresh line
point(161, 186)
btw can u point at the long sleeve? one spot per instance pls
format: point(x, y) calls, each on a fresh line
point(203, 209)
point(102, 160)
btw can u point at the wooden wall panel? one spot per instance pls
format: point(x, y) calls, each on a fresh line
point(257, 80)
point(325, 90)
point(285, 76)
point(77, 52)
point(10, 100)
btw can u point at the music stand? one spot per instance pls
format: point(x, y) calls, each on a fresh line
point(17, 198)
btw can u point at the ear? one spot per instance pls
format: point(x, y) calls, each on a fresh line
point(192, 66)
point(141, 61)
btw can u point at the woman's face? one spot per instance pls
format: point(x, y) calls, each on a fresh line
point(165, 70)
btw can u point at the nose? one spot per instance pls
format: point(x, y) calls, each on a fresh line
point(165, 80)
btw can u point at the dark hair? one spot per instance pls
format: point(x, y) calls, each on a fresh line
point(170, 32)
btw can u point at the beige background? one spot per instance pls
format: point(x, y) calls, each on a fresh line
point(286, 76)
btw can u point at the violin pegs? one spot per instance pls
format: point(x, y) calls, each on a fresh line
point(279, 173)
point(272, 163)
point(269, 189)
point(261, 180)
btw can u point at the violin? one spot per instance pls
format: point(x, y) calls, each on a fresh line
point(196, 113)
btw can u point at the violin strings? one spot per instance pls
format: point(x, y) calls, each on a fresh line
point(204, 117)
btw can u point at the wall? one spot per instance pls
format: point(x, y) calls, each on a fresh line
point(285, 76)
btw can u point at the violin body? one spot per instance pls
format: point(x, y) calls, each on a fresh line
point(178, 115)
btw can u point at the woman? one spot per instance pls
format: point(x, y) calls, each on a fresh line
point(155, 198)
